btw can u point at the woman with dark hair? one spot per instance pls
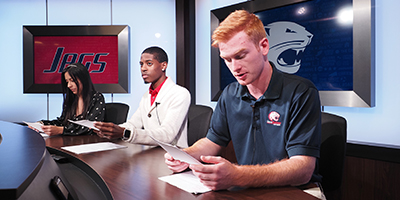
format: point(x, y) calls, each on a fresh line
point(81, 101)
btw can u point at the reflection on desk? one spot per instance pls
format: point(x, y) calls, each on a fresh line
point(132, 173)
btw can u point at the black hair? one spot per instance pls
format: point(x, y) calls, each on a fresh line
point(159, 54)
point(77, 71)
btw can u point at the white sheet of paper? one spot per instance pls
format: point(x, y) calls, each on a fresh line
point(44, 135)
point(85, 123)
point(177, 153)
point(186, 181)
point(37, 126)
point(94, 147)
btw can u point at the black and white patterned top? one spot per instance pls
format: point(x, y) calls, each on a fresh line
point(95, 112)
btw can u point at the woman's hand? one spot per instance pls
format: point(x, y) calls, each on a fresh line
point(52, 130)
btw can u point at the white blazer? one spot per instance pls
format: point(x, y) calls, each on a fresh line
point(165, 120)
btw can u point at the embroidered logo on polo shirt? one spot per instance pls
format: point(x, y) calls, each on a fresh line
point(273, 118)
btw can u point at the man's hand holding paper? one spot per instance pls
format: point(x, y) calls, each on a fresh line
point(175, 165)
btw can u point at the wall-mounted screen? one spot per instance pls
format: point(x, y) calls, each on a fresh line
point(322, 41)
point(103, 50)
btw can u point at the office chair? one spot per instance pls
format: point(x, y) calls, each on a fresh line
point(116, 113)
point(332, 152)
point(199, 117)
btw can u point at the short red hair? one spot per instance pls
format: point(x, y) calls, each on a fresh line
point(240, 20)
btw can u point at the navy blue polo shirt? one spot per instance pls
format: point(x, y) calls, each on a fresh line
point(284, 122)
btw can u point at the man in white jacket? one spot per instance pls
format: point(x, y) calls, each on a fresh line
point(162, 111)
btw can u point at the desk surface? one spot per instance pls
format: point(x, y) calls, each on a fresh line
point(21, 157)
point(132, 173)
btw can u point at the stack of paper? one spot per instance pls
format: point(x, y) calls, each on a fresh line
point(94, 147)
point(186, 181)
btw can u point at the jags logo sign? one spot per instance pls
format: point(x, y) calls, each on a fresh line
point(287, 43)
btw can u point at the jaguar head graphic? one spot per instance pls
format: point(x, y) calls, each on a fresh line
point(274, 116)
point(287, 42)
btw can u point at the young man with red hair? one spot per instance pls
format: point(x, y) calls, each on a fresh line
point(272, 118)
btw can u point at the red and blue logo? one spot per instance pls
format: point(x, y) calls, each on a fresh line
point(98, 53)
point(273, 118)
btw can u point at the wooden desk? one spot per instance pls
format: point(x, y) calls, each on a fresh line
point(132, 173)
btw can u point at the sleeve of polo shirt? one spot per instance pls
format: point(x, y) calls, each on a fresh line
point(218, 131)
point(304, 134)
